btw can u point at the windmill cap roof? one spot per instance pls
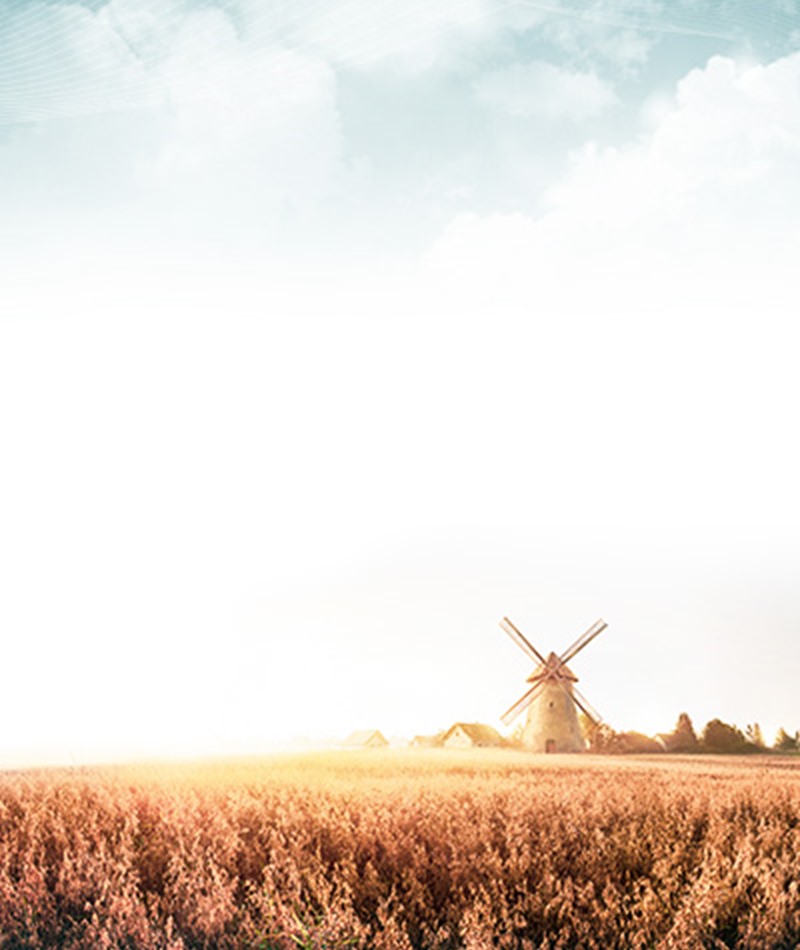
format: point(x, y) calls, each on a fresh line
point(554, 668)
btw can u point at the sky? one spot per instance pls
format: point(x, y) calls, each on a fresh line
point(333, 331)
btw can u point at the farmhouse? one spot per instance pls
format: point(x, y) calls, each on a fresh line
point(366, 739)
point(471, 735)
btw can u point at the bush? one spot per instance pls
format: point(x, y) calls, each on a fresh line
point(632, 743)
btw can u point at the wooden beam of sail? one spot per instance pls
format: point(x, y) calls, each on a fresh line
point(518, 638)
point(596, 628)
point(522, 703)
point(581, 702)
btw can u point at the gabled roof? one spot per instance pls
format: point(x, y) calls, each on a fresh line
point(365, 737)
point(479, 733)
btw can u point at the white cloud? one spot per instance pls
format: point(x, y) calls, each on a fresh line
point(148, 27)
point(620, 33)
point(542, 89)
point(61, 60)
point(699, 202)
point(212, 129)
point(248, 121)
point(409, 36)
point(663, 277)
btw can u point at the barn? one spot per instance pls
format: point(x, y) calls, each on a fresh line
point(366, 739)
point(471, 735)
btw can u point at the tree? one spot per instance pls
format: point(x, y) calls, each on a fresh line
point(721, 737)
point(754, 736)
point(683, 738)
point(589, 729)
point(600, 738)
point(516, 737)
point(784, 742)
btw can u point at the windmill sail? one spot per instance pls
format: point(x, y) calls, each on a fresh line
point(596, 628)
point(522, 703)
point(518, 638)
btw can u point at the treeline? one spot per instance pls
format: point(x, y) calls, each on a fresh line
point(716, 737)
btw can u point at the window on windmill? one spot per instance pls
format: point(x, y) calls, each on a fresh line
point(552, 704)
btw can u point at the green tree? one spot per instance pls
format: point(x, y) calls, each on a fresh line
point(784, 742)
point(600, 737)
point(683, 738)
point(755, 737)
point(588, 728)
point(721, 737)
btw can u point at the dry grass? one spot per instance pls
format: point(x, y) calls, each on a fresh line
point(424, 849)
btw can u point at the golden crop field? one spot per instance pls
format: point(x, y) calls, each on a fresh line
point(404, 850)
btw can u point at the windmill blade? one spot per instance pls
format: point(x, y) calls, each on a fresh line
point(583, 703)
point(596, 628)
point(522, 703)
point(520, 640)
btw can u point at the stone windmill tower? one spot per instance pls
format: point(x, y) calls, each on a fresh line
point(553, 699)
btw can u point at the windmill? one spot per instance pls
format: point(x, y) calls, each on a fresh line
point(552, 700)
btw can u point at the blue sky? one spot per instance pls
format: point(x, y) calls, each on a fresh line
point(313, 119)
point(330, 332)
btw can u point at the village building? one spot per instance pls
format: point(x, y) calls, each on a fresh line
point(366, 739)
point(471, 735)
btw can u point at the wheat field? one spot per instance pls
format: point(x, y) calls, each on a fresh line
point(402, 850)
